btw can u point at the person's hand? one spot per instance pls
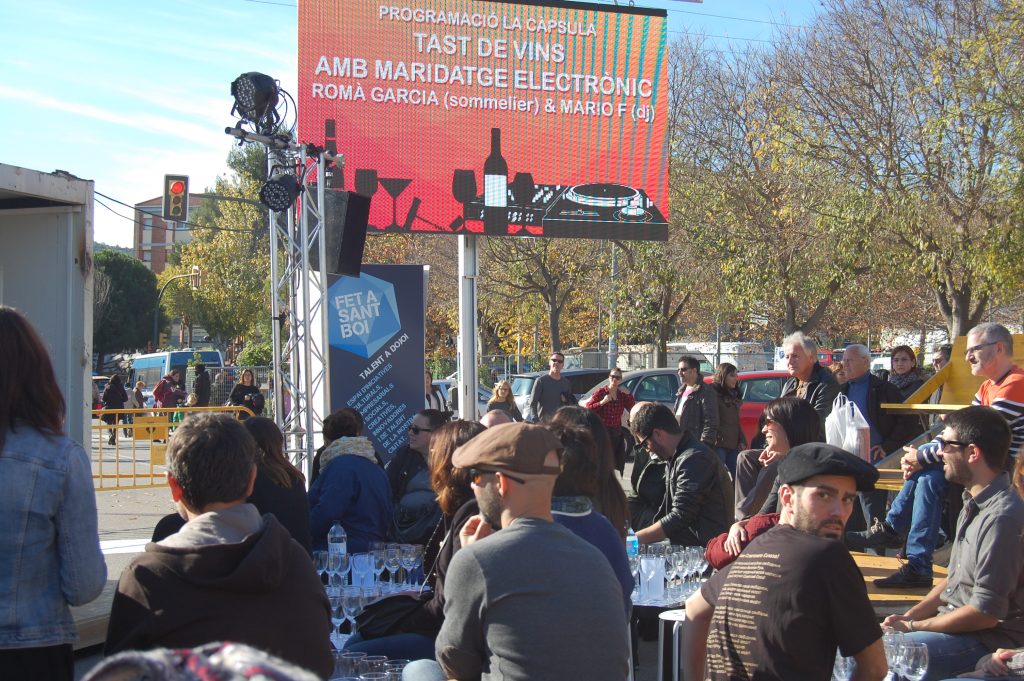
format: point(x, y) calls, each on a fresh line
point(475, 529)
point(877, 453)
point(897, 623)
point(737, 534)
point(768, 455)
point(996, 665)
point(909, 463)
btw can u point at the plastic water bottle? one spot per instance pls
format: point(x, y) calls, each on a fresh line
point(337, 540)
point(632, 543)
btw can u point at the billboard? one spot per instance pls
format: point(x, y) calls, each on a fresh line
point(497, 118)
point(375, 331)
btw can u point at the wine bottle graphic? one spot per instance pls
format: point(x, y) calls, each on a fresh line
point(495, 188)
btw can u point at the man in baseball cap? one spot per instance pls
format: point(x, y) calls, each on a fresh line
point(530, 600)
point(794, 595)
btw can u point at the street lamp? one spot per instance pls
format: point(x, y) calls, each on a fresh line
point(194, 276)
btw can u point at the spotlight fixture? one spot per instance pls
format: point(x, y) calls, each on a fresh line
point(280, 192)
point(256, 96)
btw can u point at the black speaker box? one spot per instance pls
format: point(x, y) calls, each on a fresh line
point(344, 226)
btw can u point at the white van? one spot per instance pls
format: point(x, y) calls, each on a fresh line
point(153, 366)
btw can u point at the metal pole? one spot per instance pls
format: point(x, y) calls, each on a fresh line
point(613, 334)
point(468, 260)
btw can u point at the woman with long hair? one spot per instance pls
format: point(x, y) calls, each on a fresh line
point(730, 436)
point(114, 397)
point(246, 393)
point(280, 488)
point(789, 421)
point(49, 538)
point(503, 399)
point(904, 374)
point(413, 637)
point(610, 499)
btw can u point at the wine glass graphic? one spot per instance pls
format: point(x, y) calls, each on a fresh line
point(523, 189)
point(464, 191)
point(394, 186)
point(366, 181)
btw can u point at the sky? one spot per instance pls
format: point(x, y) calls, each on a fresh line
point(122, 92)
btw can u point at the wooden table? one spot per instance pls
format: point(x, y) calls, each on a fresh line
point(890, 601)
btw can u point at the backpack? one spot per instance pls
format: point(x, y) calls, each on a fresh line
point(160, 391)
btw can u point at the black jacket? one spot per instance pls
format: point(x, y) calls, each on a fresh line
point(700, 413)
point(698, 495)
point(896, 429)
point(201, 388)
point(821, 391)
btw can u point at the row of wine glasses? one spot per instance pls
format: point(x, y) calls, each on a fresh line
point(346, 604)
point(367, 568)
point(352, 666)
point(907, 660)
point(666, 575)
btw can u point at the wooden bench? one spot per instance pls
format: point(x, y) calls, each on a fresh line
point(890, 601)
point(92, 618)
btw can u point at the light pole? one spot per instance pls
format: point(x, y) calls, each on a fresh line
point(194, 276)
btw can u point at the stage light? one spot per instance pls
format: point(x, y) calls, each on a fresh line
point(256, 96)
point(280, 192)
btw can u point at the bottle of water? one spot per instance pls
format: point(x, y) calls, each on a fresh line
point(632, 543)
point(337, 540)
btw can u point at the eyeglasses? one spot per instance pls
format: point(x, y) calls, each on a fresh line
point(683, 370)
point(943, 443)
point(642, 444)
point(974, 348)
point(555, 360)
point(476, 474)
point(416, 430)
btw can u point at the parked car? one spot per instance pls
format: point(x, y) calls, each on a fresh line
point(757, 388)
point(447, 388)
point(101, 383)
point(580, 381)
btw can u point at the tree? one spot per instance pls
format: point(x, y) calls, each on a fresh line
point(124, 306)
point(892, 97)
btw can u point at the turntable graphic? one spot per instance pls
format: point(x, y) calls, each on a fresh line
point(592, 211)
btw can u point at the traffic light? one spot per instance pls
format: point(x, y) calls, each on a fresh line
point(175, 198)
point(196, 278)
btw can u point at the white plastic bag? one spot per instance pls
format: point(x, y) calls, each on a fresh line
point(847, 428)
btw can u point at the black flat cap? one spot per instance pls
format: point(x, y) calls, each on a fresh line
point(817, 458)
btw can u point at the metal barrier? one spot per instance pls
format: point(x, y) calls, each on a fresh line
point(132, 452)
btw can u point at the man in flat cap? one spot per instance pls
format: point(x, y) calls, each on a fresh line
point(794, 594)
point(527, 599)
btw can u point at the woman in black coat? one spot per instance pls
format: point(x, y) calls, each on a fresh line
point(245, 393)
point(114, 397)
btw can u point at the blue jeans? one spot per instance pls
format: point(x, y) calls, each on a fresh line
point(728, 459)
point(396, 646)
point(948, 654)
point(423, 670)
point(917, 511)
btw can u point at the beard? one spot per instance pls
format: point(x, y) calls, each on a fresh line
point(829, 528)
point(490, 505)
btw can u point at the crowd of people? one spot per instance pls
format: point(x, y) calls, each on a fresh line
point(526, 528)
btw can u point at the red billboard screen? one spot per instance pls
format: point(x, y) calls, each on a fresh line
point(497, 118)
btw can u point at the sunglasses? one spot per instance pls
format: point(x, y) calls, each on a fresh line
point(477, 474)
point(944, 443)
point(416, 430)
point(642, 444)
point(555, 360)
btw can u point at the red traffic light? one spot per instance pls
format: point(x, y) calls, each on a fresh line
point(177, 187)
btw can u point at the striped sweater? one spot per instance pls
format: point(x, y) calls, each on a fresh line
point(1005, 395)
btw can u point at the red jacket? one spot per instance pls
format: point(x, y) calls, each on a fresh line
point(716, 554)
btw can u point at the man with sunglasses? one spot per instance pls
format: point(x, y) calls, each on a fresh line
point(698, 494)
point(526, 598)
point(550, 391)
point(416, 512)
point(610, 402)
point(979, 606)
point(917, 509)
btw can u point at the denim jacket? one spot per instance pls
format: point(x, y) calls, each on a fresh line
point(50, 554)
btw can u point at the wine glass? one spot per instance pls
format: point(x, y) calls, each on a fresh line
point(914, 661)
point(320, 561)
point(377, 555)
point(392, 561)
point(407, 559)
point(352, 604)
point(464, 191)
point(419, 550)
point(648, 571)
point(394, 186)
point(892, 641)
point(670, 576)
point(337, 566)
point(337, 617)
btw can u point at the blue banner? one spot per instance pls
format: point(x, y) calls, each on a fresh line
point(375, 331)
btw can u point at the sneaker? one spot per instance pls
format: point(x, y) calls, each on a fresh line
point(905, 577)
point(880, 536)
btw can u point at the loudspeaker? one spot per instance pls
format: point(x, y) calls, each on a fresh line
point(344, 226)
